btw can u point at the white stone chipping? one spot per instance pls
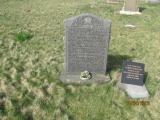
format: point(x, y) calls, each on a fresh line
point(130, 26)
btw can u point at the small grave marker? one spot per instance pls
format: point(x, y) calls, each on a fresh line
point(130, 7)
point(133, 73)
point(132, 80)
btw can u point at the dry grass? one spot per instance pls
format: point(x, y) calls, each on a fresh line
point(29, 70)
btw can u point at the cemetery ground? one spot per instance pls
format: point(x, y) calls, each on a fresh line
point(32, 53)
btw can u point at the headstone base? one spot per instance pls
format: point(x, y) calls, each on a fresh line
point(75, 78)
point(112, 1)
point(133, 91)
point(130, 12)
point(154, 1)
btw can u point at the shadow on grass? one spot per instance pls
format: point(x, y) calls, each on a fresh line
point(115, 61)
point(141, 9)
point(145, 76)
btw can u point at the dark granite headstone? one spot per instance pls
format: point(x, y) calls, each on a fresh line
point(133, 73)
point(86, 45)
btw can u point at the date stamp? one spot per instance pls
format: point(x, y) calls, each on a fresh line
point(138, 102)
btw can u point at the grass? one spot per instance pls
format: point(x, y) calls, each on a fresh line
point(29, 73)
point(23, 36)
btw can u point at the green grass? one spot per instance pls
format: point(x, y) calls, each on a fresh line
point(23, 36)
point(32, 53)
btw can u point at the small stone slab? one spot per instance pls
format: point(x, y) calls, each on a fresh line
point(154, 1)
point(129, 13)
point(135, 91)
point(130, 26)
point(112, 1)
point(75, 78)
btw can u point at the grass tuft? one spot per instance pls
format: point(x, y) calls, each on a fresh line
point(23, 36)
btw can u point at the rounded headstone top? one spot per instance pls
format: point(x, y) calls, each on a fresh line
point(86, 19)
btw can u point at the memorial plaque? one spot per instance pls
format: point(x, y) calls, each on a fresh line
point(86, 47)
point(133, 73)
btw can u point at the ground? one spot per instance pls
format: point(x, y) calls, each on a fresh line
point(31, 59)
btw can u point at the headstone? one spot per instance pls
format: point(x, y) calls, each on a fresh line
point(130, 7)
point(112, 1)
point(86, 47)
point(132, 80)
